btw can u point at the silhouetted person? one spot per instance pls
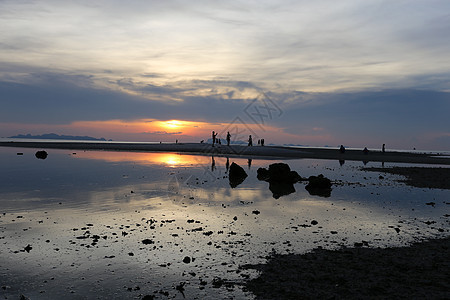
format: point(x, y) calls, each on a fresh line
point(262, 142)
point(213, 138)
point(366, 151)
point(259, 142)
point(176, 141)
point(383, 149)
point(220, 141)
point(250, 141)
point(228, 138)
point(342, 149)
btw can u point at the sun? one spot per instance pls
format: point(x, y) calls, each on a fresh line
point(172, 124)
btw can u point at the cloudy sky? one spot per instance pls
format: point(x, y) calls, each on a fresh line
point(358, 73)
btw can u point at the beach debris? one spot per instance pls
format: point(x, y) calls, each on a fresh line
point(319, 186)
point(28, 248)
point(180, 288)
point(281, 179)
point(41, 154)
point(147, 242)
point(236, 175)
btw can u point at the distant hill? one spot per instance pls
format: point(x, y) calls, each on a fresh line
point(54, 136)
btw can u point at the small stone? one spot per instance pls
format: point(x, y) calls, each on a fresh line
point(147, 242)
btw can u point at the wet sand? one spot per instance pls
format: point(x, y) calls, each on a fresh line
point(422, 177)
point(420, 271)
point(239, 150)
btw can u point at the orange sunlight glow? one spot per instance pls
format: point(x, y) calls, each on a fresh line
point(167, 159)
point(173, 124)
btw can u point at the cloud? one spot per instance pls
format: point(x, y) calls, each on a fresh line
point(163, 133)
point(310, 46)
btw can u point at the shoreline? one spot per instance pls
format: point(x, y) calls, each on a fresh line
point(240, 150)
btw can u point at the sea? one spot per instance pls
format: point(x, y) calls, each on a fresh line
point(125, 225)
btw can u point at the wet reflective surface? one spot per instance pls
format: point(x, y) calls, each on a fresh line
point(100, 224)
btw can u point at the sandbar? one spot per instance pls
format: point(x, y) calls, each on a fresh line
point(240, 150)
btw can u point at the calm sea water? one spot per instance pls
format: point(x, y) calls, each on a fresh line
point(102, 225)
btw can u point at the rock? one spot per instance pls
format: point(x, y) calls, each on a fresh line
point(187, 260)
point(236, 175)
point(263, 174)
point(41, 154)
point(147, 242)
point(281, 179)
point(279, 189)
point(319, 186)
point(279, 172)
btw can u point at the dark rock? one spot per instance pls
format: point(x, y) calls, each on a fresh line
point(41, 154)
point(281, 179)
point(147, 242)
point(319, 186)
point(236, 175)
point(28, 248)
point(279, 172)
point(187, 260)
point(263, 174)
point(279, 189)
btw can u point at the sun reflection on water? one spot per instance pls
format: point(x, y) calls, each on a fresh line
point(165, 159)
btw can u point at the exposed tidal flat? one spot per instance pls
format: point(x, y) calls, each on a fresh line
point(129, 225)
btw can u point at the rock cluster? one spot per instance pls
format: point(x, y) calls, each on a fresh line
point(281, 181)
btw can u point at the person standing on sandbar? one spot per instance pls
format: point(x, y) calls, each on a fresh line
point(213, 138)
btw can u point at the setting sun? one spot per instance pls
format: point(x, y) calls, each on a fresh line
point(172, 124)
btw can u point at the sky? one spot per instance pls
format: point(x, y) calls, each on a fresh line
point(316, 73)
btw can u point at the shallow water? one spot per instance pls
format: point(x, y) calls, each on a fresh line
point(85, 215)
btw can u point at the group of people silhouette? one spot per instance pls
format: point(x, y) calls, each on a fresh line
point(218, 141)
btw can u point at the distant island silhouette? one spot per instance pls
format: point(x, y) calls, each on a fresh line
point(54, 136)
